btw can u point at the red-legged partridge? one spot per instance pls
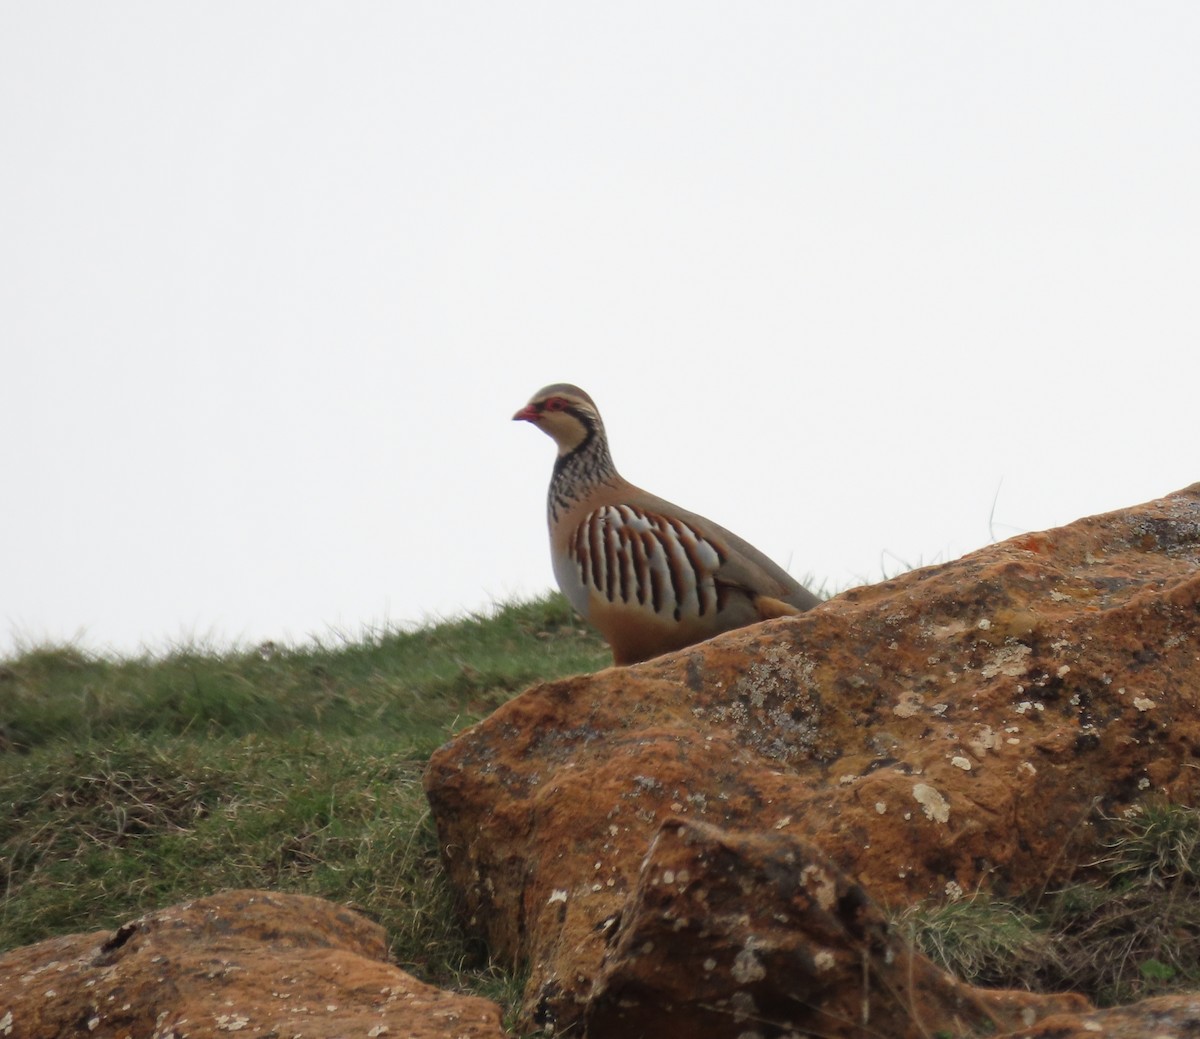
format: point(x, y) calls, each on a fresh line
point(649, 575)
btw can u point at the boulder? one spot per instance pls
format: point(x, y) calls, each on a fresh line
point(961, 727)
point(757, 933)
point(239, 962)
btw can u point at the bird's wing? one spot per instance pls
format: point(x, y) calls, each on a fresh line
point(650, 552)
point(742, 565)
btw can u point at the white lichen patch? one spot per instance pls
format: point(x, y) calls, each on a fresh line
point(776, 702)
point(934, 805)
point(1143, 703)
point(558, 895)
point(960, 762)
point(820, 884)
point(982, 739)
point(744, 1007)
point(1008, 660)
point(824, 960)
point(908, 705)
point(880, 807)
point(954, 890)
point(747, 967)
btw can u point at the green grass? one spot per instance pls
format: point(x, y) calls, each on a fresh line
point(415, 683)
point(989, 942)
point(1127, 931)
point(127, 785)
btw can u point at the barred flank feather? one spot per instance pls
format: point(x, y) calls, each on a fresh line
point(636, 557)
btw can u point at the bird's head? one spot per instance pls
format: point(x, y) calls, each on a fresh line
point(565, 413)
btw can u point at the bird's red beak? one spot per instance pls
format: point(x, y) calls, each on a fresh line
point(529, 413)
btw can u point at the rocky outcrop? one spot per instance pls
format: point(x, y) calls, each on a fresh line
point(240, 962)
point(963, 726)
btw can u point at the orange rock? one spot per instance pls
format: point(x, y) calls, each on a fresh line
point(734, 933)
point(1164, 1017)
point(960, 727)
point(244, 962)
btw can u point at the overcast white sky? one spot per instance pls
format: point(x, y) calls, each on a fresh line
point(274, 277)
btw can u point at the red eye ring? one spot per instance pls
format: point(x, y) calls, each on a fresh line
point(555, 404)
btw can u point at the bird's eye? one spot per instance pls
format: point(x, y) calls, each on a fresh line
point(556, 404)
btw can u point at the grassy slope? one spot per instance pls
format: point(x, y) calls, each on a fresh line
point(125, 786)
point(129, 785)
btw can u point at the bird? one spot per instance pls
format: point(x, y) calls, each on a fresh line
point(649, 576)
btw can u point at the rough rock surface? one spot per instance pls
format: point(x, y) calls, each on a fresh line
point(963, 726)
point(243, 962)
point(1167, 1017)
point(729, 934)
